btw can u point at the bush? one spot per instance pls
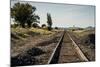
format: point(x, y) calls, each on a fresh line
point(43, 26)
point(14, 25)
point(35, 25)
point(56, 27)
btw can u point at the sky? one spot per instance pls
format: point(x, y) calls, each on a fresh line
point(64, 15)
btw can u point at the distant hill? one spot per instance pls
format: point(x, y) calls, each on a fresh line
point(76, 28)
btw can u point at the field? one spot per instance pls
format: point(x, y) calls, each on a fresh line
point(34, 46)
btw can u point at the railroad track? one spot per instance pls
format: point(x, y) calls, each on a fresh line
point(66, 51)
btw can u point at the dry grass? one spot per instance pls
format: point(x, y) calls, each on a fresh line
point(84, 32)
point(41, 31)
point(23, 33)
point(21, 36)
point(86, 41)
point(37, 47)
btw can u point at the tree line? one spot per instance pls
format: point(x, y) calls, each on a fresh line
point(24, 15)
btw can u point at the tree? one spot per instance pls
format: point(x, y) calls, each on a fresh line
point(24, 13)
point(49, 21)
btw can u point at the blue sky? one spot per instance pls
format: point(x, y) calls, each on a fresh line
point(65, 15)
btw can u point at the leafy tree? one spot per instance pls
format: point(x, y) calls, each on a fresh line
point(24, 13)
point(49, 21)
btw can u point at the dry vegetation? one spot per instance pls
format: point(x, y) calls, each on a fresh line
point(32, 46)
point(84, 32)
point(86, 41)
point(20, 35)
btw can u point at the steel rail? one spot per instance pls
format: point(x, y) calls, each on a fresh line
point(54, 56)
point(78, 50)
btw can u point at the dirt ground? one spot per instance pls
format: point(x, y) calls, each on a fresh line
point(35, 50)
point(86, 42)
